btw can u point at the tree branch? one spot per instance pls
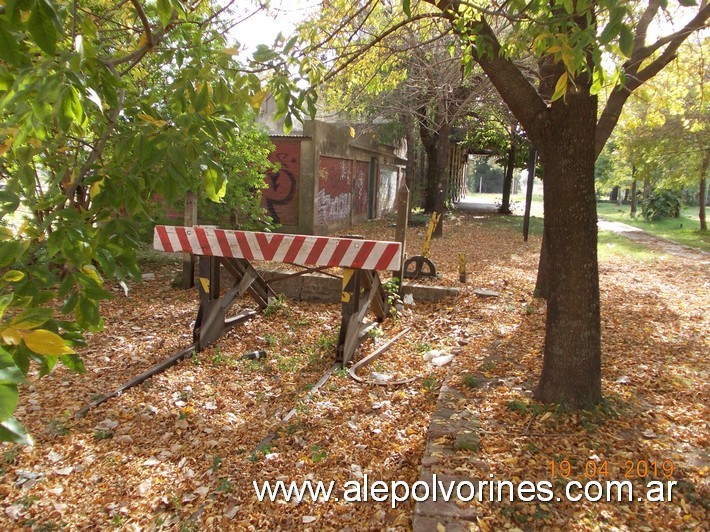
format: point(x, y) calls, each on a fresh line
point(635, 77)
point(516, 90)
point(146, 24)
point(97, 151)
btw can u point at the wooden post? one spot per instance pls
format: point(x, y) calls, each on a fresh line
point(528, 196)
point(401, 231)
point(188, 261)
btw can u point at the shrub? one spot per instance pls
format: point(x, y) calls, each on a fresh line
point(661, 204)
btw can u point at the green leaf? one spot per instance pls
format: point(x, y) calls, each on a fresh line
point(165, 12)
point(4, 303)
point(11, 375)
point(8, 400)
point(73, 362)
point(21, 356)
point(202, 98)
point(9, 201)
point(47, 363)
point(626, 40)
point(407, 8)
point(65, 111)
point(688, 3)
point(9, 49)
point(87, 314)
point(215, 187)
point(32, 318)
point(12, 431)
point(44, 26)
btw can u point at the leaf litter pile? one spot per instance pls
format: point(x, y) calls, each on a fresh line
point(180, 451)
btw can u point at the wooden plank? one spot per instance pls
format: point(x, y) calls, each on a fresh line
point(188, 260)
point(299, 249)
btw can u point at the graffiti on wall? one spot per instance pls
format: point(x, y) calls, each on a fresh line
point(387, 190)
point(332, 208)
point(280, 199)
point(334, 197)
point(360, 186)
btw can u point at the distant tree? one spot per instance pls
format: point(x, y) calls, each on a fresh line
point(663, 137)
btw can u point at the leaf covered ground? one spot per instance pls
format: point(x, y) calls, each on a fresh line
point(180, 452)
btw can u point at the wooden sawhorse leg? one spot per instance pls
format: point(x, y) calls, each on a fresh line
point(353, 329)
point(212, 321)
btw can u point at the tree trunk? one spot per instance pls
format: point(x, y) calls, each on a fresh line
point(542, 284)
point(571, 372)
point(633, 191)
point(703, 190)
point(431, 180)
point(614, 196)
point(443, 172)
point(508, 180)
point(411, 169)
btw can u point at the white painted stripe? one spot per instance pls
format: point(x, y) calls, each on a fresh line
point(328, 251)
point(174, 240)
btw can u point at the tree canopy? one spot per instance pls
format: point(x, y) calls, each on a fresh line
point(104, 109)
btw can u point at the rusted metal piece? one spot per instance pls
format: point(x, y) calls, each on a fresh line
point(420, 266)
point(158, 368)
point(377, 353)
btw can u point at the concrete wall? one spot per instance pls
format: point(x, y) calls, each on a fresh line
point(325, 184)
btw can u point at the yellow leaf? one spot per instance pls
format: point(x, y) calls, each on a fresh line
point(546, 416)
point(482, 524)
point(231, 51)
point(352, 132)
point(554, 48)
point(5, 146)
point(11, 336)
point(143, 40)
point(95, 188)
point(567, 60)
point(560, 87)
point(90, 270)
point(13, 276)
point(440, 527)
point(151, 120)
point(258, 99)
point(45, 342)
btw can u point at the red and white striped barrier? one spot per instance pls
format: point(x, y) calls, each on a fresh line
point(278, 247)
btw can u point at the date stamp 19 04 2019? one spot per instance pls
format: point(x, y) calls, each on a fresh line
point(595, 469)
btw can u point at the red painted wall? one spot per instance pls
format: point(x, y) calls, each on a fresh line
point(281, 198)
point(334, 199)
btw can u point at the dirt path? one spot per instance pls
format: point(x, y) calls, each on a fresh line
point(653, 242)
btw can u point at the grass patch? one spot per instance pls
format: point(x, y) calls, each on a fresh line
point(612, 245)
point(471, 381)
point(515, 223)
point(684, 230)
